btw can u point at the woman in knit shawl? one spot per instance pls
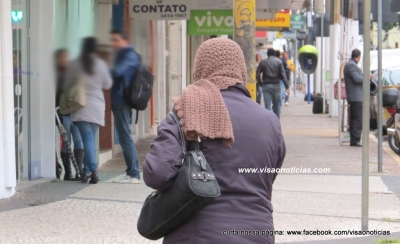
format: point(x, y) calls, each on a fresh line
point(235, 133)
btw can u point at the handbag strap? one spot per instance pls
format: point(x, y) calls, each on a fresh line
point(183, 140)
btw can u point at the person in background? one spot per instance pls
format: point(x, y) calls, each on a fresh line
point(126, 64)
point(259, 89)
point(61, 60)
point(353, 78)
point(94, 72)
point(269, 73)
point(286, 68)
point(292, 68)
point(219, 110)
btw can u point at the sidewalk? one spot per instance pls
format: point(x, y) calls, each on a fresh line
point(70, 212)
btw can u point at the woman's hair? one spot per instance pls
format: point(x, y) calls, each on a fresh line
point(57, 54)
point(89, 45)
point(258, 55)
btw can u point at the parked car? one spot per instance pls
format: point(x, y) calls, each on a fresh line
point(390, 79)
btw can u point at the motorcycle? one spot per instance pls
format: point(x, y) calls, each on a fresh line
point(391, 101)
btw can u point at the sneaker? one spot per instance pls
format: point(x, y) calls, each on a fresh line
point(287, 103)
point(127, 180)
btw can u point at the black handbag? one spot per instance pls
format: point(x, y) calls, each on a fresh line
point(193, 189)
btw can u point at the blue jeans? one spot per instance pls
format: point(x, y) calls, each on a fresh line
point(282, 92)
point(272, 94)
point(71, 130)
point(122, 121)
point(88, 132)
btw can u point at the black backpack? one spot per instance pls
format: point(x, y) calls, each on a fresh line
point(140, 89)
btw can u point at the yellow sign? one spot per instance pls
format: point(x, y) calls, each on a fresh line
point(281, 20)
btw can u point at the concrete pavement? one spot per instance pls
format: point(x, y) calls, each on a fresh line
point(70, 212)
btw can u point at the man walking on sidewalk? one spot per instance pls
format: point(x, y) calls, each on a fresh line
point(126, 65)
point(272, 72)
point(353, 78)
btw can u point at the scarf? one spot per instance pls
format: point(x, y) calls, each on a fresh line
point(219, 64)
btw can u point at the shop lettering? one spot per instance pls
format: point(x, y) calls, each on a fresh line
point(159, 8)
point(228, 20)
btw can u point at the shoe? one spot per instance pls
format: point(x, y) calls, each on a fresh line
point(287, 103)
point(79, 154)
point(67, 167)
point(86, 177)
point(94, 178)
point(128, 180)
point(358, 144)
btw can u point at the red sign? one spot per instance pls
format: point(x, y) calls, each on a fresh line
point(261, 34)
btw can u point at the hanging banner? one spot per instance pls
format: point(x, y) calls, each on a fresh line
point(210, 22)
point(281, 20)
point(159, 9)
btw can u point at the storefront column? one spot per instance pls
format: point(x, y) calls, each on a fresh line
point(159, 92)
point(7, 146)
point(103, 11)
point(41, 117)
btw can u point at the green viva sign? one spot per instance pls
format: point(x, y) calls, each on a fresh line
point(210, 22)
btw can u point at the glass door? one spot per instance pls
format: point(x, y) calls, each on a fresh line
point(21, 91)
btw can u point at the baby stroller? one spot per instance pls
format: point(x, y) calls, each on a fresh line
point(64, 136)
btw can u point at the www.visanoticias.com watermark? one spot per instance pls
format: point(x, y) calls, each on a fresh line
point(292, 170)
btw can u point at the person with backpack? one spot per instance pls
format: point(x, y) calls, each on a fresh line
point(126, 66)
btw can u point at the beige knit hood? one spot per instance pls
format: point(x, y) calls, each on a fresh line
point(219, 64)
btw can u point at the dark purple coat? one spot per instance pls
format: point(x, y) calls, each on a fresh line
point(245, 201)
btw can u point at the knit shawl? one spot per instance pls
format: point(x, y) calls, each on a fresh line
point(219, 64)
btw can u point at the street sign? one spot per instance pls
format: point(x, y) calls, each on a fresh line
point(297, 22)
point(281, 20)
point(210, 22)
point(289, 35)
point(159, 9)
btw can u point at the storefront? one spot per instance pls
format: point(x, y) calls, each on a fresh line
point(38, 29)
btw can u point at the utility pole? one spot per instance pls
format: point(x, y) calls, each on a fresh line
point(244, 14)
point(365, 116)
point(334, 69)
point(380, 126)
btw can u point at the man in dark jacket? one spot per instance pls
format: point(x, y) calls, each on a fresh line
point(354, 84)
point(272, 72)
point(126, 65)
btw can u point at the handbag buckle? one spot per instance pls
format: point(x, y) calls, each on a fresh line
point(204, 176)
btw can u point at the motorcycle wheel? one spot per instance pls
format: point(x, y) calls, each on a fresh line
point(394, 143)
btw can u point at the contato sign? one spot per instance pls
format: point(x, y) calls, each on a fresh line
point(159, 9)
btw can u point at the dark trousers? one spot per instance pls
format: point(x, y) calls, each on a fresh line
point(355, 122)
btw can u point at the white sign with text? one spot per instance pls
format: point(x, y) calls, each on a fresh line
point(159, 9)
